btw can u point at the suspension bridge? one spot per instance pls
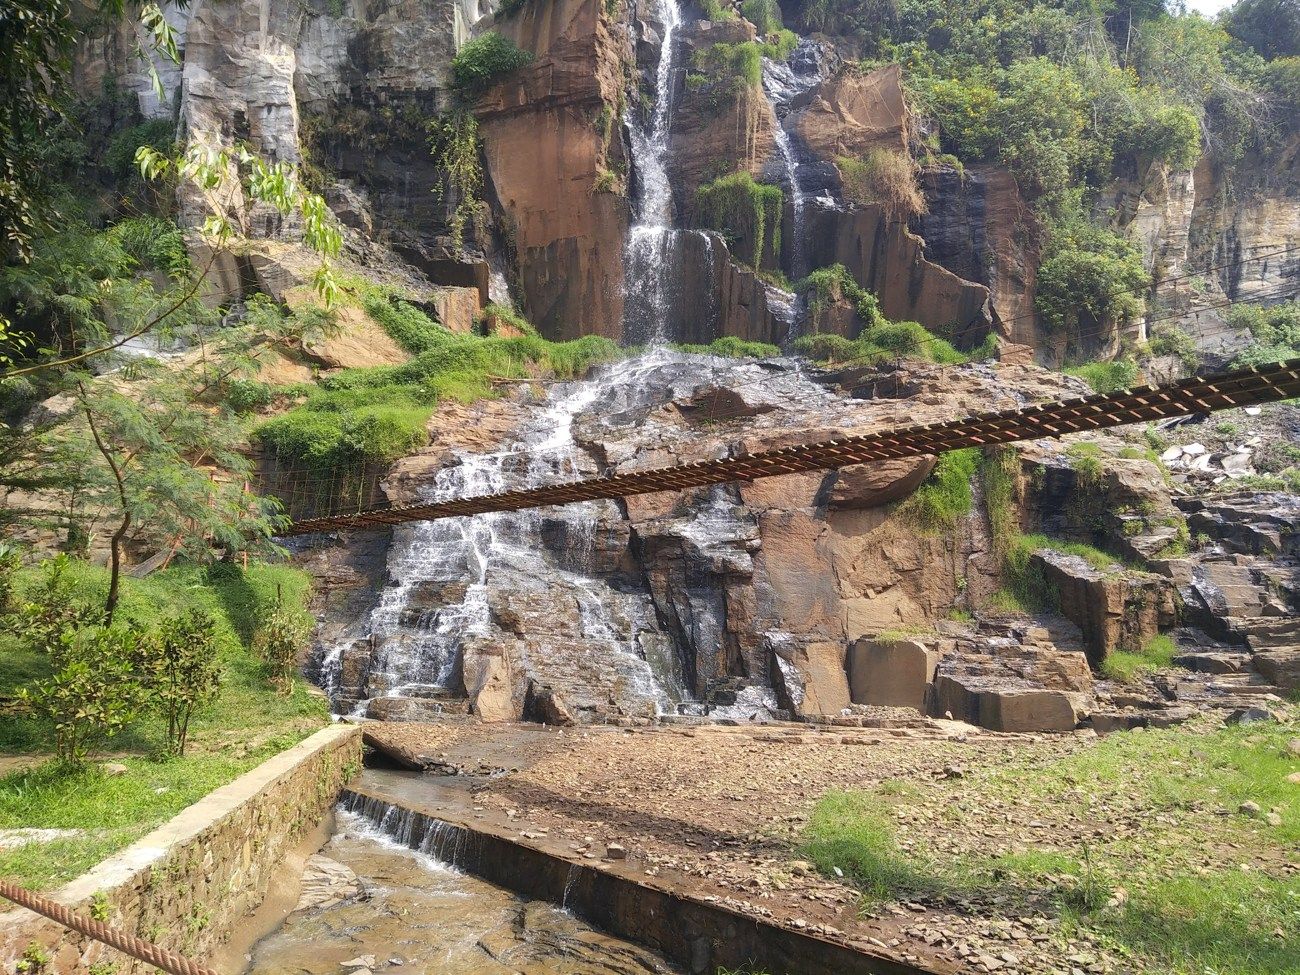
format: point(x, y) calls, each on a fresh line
point(1243, 387)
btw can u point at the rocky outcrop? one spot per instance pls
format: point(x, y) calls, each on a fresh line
point(853, 112)
point(1114, 608)
point(979, 227)
point(545, 147)
point(889, 260)
point(720, 127)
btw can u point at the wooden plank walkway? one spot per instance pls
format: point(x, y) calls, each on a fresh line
point(1197, 395)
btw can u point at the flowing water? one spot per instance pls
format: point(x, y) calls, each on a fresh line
point(444, 575)
point(422, 917)
point(650, 259)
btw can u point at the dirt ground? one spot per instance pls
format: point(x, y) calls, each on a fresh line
point(721, 811)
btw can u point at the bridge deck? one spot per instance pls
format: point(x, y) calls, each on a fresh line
point(1197, 395)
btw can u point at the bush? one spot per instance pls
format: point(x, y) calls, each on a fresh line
point(1275, 329)
point(715, 11)
point(884, 178)
point(1091, 279)
point(248, 395)
point(119, 154)
point(183, 674)
point(280, 639)
point(95, 691)
point(485, 59)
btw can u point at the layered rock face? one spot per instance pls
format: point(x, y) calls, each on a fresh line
point(548, 134)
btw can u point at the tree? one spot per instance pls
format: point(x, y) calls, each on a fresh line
point(1091, 279)
point(1041, 116)
point(170, 471)
point(183, 673)
point(1271, 27)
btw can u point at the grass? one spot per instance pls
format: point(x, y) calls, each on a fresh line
point(1190, 906)
point(851, 834)
point(946, 495)
point(380, 413)
point(1106, 377)
point(247, 723)
point(730, 347)
point(1126, 666)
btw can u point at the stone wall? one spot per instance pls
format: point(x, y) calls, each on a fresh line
point(187, 885)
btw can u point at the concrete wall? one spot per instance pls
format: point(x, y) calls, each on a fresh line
point(188, 884)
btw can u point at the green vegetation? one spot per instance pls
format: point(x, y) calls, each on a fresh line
point(765, 15)
point(1274, 328)
point(946, 494)
point(1179, 915)
point(1106, 377)
point(378, 414)
point(884, 178)
point(714, 10)
point(1091, 279)
point(829, 284)
point(884, 342)
point(739, 208)
point(730, 347)
point(853, 833)
point(203, 694)
point(1126, 666)
point(1085, 461)
point(484, 60)
point(454, 141)
point(739, 67)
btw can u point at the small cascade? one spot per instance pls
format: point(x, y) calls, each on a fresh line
point(450, 580)
point(651, 255)
point(785, 83)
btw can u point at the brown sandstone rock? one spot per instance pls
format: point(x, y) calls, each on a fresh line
point(895, 673)
point(871, 485)
point(853, 113)
point(544, 154)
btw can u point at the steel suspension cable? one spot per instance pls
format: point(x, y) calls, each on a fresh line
point(128, 944)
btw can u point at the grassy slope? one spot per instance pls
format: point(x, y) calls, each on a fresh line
point(1190, 906)
point(248, 723)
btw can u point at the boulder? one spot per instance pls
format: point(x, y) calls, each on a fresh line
point(1007, 709)
point(895, 673)
point(871, 485)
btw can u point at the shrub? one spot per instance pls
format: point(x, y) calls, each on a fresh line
point(247, 395)
point(714, 10)
point(1275, 329)
point(485, 59)
point(1178, 343)
point(183, 674)
point(119, 154)
point(280, 638)
point(1091, 279)
point(1085, 461)
point(884, 178)
point(95, 690)
point(454, 143)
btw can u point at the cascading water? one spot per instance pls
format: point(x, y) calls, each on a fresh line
point(651, 243)
point(447, 577)
point(783, 83)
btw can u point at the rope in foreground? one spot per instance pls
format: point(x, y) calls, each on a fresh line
point(113, 937)
point(1244, 387)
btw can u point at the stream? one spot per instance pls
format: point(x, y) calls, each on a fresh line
point(418, 916)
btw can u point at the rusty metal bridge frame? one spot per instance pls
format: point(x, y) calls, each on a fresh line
point(1243, 387)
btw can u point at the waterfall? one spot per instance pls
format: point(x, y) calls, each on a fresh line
point(443, 575)
point(783, 83)
point(651, 245)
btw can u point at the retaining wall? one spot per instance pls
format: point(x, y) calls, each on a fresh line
point(188, 884)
